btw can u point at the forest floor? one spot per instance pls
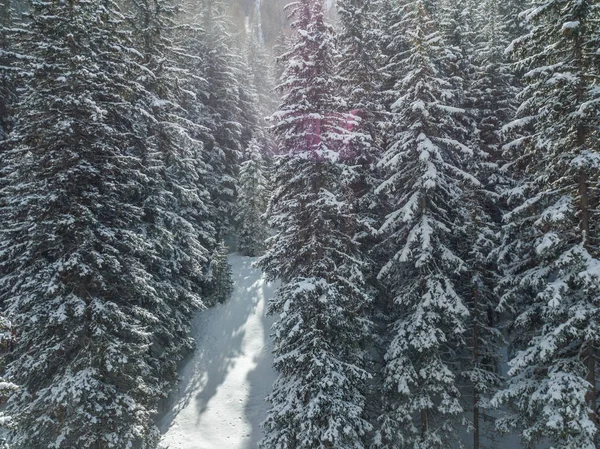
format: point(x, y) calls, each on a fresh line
point(221, 399)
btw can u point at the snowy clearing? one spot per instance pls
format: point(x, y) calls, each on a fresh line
point(221, 399)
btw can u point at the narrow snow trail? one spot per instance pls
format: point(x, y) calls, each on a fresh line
point(221, 398)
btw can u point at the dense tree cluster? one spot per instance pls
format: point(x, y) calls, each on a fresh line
point(121, 125)
point(431, 183)
point(551, 251)
point(455, 146)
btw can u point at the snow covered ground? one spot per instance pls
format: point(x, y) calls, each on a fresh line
point(221, 400)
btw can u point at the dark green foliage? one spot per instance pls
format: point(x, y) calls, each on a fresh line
point(219, 278)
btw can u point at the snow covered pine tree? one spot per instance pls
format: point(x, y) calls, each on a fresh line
point(474, 41)
point(5, 72)
point(219, 277)
point(72, 249)
point(223, 150)
point(495, 87)
point(552, 257)
point(358, 68)
point(177, 200)
point(428, 183)
point(318, 399)
point(252, 203)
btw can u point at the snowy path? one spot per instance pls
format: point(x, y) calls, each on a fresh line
point(221, 400)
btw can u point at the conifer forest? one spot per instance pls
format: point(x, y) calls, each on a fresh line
point(417, 182)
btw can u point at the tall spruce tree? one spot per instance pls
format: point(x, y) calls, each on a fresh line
point(361, 87)
point(552, 257)
point(495, 86)
point(318, 399)
point(6, 88)
point(219, 278)
point(480, 359)
point(359, 65)
point(261, 67)
point(252, 202)
point(490, 99)
point(222, 104)
point(429, 184)
point(177, 190)
point(392, 45)
point(361, 60)
point(73, 253)
point(189, 55)
point(248, 108)
point(456, 21)
point(262, 70)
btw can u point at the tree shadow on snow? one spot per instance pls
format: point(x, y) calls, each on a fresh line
point(260, 381)
point(219, 334)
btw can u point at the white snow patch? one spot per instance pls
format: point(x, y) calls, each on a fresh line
point(570, 25)
point(221, 399)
